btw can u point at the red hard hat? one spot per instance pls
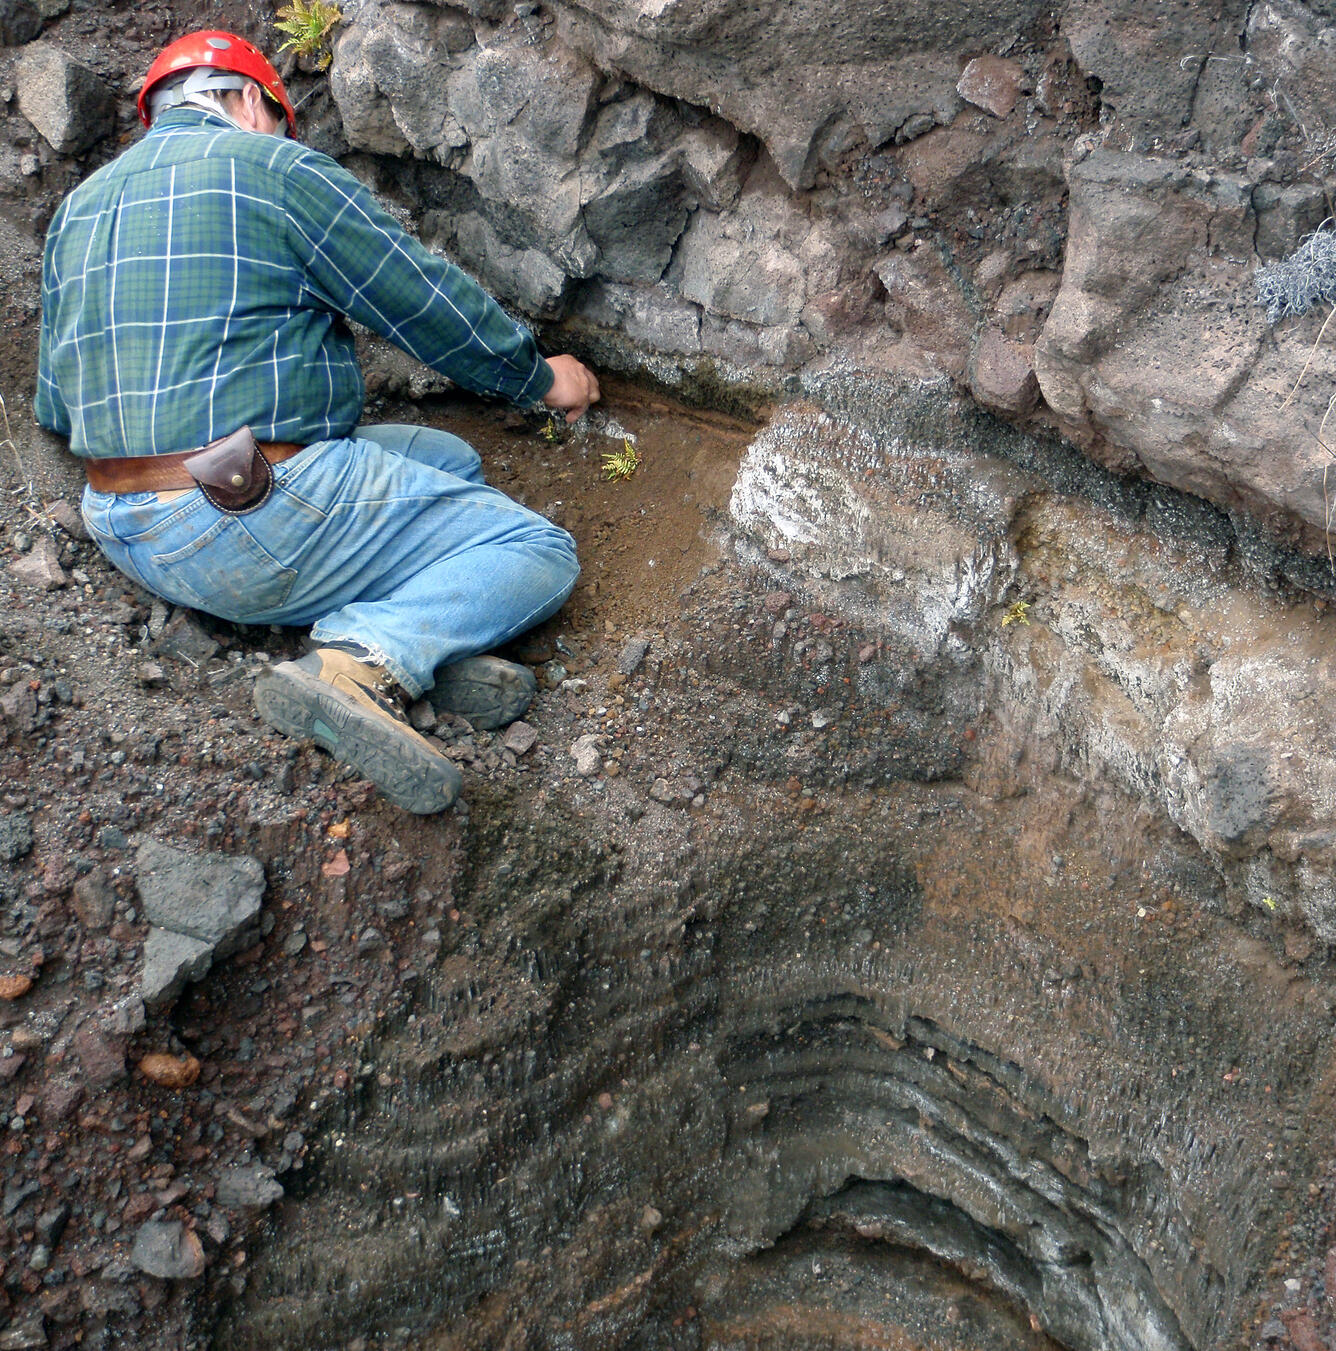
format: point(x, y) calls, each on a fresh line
point(225, 51)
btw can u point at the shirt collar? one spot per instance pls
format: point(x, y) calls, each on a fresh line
point(188, 115)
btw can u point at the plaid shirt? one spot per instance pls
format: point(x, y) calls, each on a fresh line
point(198, 283)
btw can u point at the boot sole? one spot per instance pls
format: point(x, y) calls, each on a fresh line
point(487, 691)
point(301, 705)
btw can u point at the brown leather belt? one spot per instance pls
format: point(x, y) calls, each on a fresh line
point(154, 473)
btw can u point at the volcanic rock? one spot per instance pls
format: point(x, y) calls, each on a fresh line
point(64, 99)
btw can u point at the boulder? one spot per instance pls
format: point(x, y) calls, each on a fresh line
point(745, 264)
point(647, 315)
point(807, 98)
point(1156, 357)
point(1002, 374)
point(65, 100)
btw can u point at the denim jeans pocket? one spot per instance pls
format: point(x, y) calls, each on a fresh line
point(224, 571)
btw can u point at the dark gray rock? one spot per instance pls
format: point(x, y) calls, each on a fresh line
point(168, 1250)
point(17, 1193)
point(183, 640)
point(527, 277)
point(1239, 796)
point(637, 220)
point(247, 1185)
point(51, 1224)
point(19, 22)
point(781, 79)
point(644, 315)
point(64, 99)
point(15, 836)
point(214, 898)
point(170, 961)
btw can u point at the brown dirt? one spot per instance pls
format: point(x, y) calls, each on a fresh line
point(641, 539)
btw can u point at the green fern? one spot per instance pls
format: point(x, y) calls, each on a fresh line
point(621, 464)
point(308, 24)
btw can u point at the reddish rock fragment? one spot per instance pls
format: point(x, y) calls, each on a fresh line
point(102, 1056)
point(991, 83)
point(520, 738)
point(139, 1207)
point(41, 567)
point(1303, 1331)
point(170, 1071)
point(58, 1100)
point(1002, 375)
point(67, 516)
point(94, 900)
point(14, 987)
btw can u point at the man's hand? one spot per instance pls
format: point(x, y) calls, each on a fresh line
point(574, 387)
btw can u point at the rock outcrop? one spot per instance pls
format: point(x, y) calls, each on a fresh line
point(1058, 210)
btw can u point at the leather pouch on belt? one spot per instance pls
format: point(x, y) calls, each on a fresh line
point(232, 473)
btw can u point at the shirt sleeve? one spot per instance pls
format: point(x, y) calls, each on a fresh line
point(48, 407)
point(360, 262)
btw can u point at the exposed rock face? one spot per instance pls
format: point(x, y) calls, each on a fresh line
point(983, 987)
point(767, 1051)
point(1141, 650)
point(961, 959)
point(875, 184)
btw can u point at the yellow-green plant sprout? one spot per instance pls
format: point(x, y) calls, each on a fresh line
point(1019, 613)
point(620, 464)
point(308, 24)
point(551, 432)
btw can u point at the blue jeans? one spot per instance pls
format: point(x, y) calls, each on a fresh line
point(388, 538)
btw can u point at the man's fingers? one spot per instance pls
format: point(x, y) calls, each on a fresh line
point(574, 387)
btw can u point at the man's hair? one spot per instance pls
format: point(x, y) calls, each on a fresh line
point(203, 86)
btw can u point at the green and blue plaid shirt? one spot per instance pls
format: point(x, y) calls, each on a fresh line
point(198, 283)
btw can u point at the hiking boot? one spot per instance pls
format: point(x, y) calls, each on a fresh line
point(344, 705)
point(487, 691)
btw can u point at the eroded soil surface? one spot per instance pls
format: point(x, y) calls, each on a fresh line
point(125, 719)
